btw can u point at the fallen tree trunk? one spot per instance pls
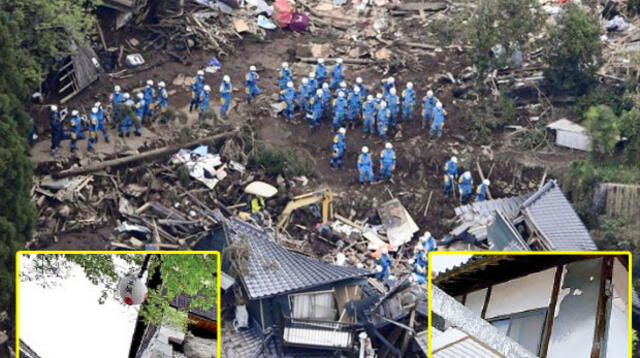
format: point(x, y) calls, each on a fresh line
point(142, 156)
point(353, 61)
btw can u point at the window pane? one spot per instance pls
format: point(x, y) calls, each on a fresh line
point(527, 331)
point(501, 325)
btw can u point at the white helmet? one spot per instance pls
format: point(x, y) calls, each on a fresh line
point(97, 104)
point(341, 94)
point(467, 174)
point(116, 88)
point(356, 89)
point(206, 88)
point(149, 83)
point(74, 112)
point(54, 107)
point(201, 73)
point(383, 104)
point(226, 78)
point(409, 85)
point(312, 74)
point(384, 249)
point(378, 95)
point(161, 84)
point(127, 95)
point(392, 90)
point(325, 85)
point(290, 84)
point(392, 80)
point(338, 60)
point(369, 98)
point(378, 268)
point(454, 159)
point(140, 95)
point(486, 182)
point(365, 149)
point(343, 84)
point(319, 92)
point(342, 130)
point(252, 68)
point(321, 60)
point(94, 110)
point(430, 93)
point(388, 145)
point(305, 80)
point(426, 236)
point(285, 65)
point(359, 80)
point(438, 105)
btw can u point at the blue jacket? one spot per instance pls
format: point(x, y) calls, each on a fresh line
point(369, 109)
point(336, 74)
point(116, 98)
point(204, 100)
point(198, 84)
point(149, 93)
point(339, 105)
point(289, 94)
point(364, 161)
point(225, 89)
point(163, 97)
point(56, 122)
point(388, 158)
point(408, 97)
point(438, 116)
point(465, 185)
point(451, 168)
point(321, 71)
point(76, 124)
point(140, 108)
point(251, 79)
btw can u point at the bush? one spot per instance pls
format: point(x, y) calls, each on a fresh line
point(602, 95)
point(277, 161)
point(603, 127)
point(573, 50)
point(630, 129)
point(504, 22)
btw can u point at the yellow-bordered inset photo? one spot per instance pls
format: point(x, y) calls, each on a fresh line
point(530, 304)
point(108, 304)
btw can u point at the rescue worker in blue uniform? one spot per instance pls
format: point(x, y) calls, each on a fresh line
point(428, 105)
point(196, 88)
point(450, 175)
point(408, 102)
point(354, 106)
point(383, 268)
point(387, 162)
point(284, 76)
point(365, 167)
point(420, 265)
point(76, 129)
point(465, 187)
point(101, 122)
point(384, 115)
point(303, 94)
point(203, 103)
point(387, 85)
point(315, 113)
point(379, 98)
point(321, 71)
point(139, 114)
point(117, 101)
point(289, 96)
point(337, 149)
point(364, 92)
point(341, 138)
point(438, 120)
point(251, 83)
point(339, 108)
point(313, 82)
point(225, 95)
point(428, 242)
point(149, 96)
point(92, 128)
point(57, 130)
point(369, 116)
point(393, 103)
point(128, 113)
point(482, 191)
point(326, 99)
point(162, 97)
point(336, 74)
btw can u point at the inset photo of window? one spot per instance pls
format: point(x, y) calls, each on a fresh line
point(547, 305)
point(118, 304)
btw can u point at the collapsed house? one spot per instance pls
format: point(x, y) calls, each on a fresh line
point(533, 306)
point(286, 304)
point(543, 221)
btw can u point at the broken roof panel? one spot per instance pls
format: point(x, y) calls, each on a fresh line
point(274, 270)
point(510, 207)
point(553, 216)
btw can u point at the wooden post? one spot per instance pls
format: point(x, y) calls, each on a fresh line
point(551, 311)
point(603, 301)
point(486, 303)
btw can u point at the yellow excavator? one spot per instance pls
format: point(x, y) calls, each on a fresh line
point(324, 196)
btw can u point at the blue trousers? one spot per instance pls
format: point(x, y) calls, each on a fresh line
point(366, 174)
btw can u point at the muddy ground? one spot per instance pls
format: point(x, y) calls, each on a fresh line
point(420, 158)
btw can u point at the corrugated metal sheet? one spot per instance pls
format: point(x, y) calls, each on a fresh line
point(317, 337)
point(453, 343)
point(510, 207)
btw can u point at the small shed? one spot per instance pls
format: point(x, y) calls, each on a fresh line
point(570, 135)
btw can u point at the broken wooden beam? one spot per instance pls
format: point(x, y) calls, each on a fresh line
point(142, 156)
point(352, 61)
point(419, 6)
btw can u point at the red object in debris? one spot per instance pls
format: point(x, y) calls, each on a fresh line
point(299, 21)
point(128, 301)
point(284, 12)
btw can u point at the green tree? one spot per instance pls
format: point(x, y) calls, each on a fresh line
point(573, 50)
point(603, 127)
point(193, 274)
point(630, 129)
point(502, 22)
point(16, 212)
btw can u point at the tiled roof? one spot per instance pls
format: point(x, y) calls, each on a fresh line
point(510, 207)
point(183, 300)
point(554, 217)
point(273, 270)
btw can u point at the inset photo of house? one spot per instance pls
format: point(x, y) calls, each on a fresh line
point(547, 305)
point(136, 304)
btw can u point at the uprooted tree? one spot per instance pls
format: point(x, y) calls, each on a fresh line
point(192, 274)
point(504, 23)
